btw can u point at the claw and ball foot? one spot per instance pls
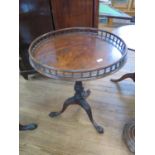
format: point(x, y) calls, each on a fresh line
point(84, 104)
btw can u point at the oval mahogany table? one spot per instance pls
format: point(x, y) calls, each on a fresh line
point(78, 54)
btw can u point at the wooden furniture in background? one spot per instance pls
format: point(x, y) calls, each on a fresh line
point(40, 16)
point(34, 19)
point(127, 6)
point(129, 128)
point(127, 33)
point(75, 13)
point(117, 12)
point(125, 76)
point(106, 11)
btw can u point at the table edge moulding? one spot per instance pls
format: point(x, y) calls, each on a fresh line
point(79, 75)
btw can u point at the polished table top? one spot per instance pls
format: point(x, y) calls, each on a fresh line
point(77, 50)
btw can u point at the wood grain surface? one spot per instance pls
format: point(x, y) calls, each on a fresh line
point(85, 51)
point(70, 13)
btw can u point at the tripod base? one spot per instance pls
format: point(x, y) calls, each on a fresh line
point(80, 99)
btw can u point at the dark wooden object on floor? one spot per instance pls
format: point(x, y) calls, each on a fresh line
point(129, 128)
point(75, 13)
point(31, 126)
point(129, 135)
point(128, 75)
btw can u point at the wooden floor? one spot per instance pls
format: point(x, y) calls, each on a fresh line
point(72, 133)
